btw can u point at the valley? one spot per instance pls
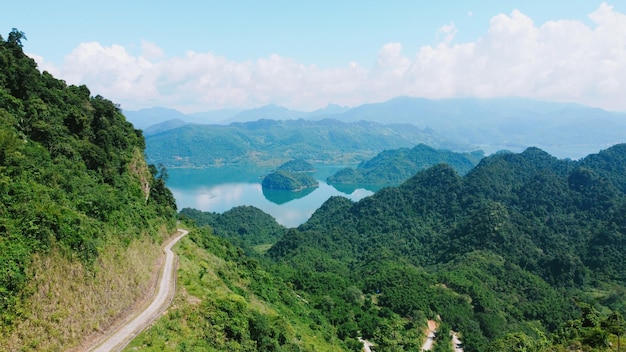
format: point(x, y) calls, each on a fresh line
point(509, 250)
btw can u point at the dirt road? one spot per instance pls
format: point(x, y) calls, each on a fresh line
point(118, 339)
point(430, 336)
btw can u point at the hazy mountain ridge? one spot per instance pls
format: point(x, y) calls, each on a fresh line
point(564, 129)
point(145, 118)
point(273, 141)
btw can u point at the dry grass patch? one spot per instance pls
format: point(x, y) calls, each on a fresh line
point(72, 304)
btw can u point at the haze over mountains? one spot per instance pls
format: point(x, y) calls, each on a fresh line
point(565, 130)
point(273, 142)
point(523, 252)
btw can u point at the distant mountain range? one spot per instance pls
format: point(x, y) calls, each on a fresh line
point(146, 118)
point(272, 142)
point(565, 130)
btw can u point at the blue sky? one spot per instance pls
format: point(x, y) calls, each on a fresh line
point(205, 55)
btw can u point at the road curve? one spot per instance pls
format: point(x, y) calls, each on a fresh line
point(166, 287)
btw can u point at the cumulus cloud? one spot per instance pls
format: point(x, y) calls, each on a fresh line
point(150, 50)
point(563, 60)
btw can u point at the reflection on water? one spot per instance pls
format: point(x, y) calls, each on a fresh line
point(280, 196)
point(351, 188)
point(220, 189)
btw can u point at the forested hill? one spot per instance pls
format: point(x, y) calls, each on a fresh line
point(273, 142)
point(525, 247)
point(75, 192)
point(392, 167)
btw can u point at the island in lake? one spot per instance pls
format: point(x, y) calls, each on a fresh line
point(294, 175)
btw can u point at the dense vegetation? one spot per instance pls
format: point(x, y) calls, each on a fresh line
point(245, 226)
point(73, 182)
point(289, 181)
point(229, 302)
point(296, 165)
point(294, 176)
point(392, 167)
point(273, 142)
point(523, 253)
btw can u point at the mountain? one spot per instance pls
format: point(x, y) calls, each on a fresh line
point(245, 226)
point(213, 116)
point(294, 176)
point(164, 126)
point(267, 112)
point(288, 181)
point(275, 112)
point(519, 246)
point(296, 165)
point(272, 142)
point(523, 252)
point(83, 219)
point(82, 215)
point(145, 118)
point(229, 301)
point(327, 111)
point(392, 167)
point(566, 129)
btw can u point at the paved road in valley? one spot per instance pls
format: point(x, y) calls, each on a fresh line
point(118, 339)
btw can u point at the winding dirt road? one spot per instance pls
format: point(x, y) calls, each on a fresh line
point(118, 339)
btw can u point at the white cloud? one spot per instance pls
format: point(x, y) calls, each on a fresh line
point(448, 31)
point(150, 50)
point(564, 60)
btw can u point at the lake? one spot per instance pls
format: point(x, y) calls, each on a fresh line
point(218, 189)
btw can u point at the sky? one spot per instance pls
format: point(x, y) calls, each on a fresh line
point(206, 55)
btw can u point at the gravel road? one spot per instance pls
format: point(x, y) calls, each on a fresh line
point(116, 340)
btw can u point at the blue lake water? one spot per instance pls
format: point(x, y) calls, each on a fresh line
point(218, 189)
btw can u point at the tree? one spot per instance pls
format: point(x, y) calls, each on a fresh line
point(615, 324)
point(518, 342)
point(15, 37)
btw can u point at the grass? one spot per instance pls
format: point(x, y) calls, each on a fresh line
point(70, 303)
point(262, 248)
point(212, 300)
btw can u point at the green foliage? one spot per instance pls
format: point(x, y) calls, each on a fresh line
point(71, 174)
point(518, 342)
point(296, 165)
point(244, 226)
point(291, 181)
point(392, 167)
point(272, 142)
point(293, 176)
point(498, 254)
point(228, 302)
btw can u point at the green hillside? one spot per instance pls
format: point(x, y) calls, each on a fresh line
point(274, 142)
point(77, 199)
point(296, 165)
point(523, 253)
point(289, 181)
point(392, 167)
point(227, 301)
point(245, 226)
point(522, 244)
